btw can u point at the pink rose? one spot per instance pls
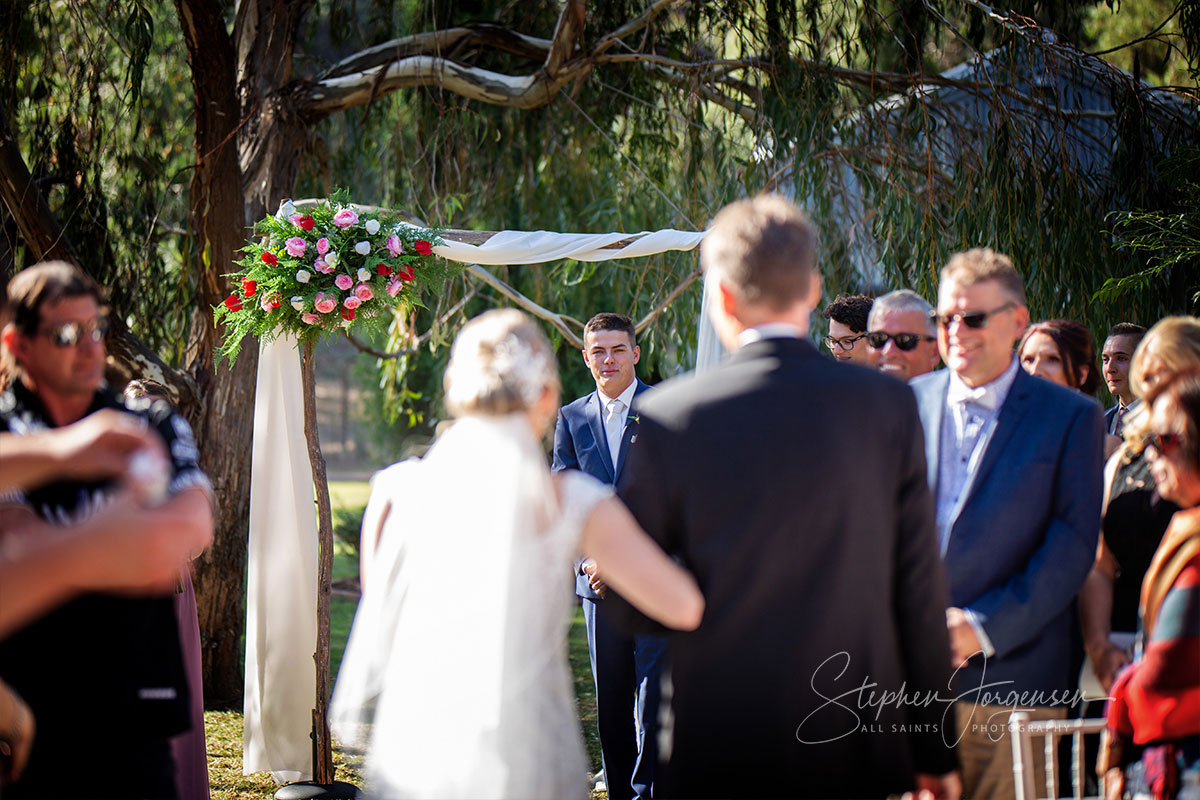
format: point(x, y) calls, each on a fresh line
point(322, 245)
point(363, 292)
point(345, 218)
point(352, 302)
point(309, 318)
point(267, 304)
point(394, 286)
point(393, 245)
point(325, 303)
point(320, 266)
point(343, 282)
point(295, 246)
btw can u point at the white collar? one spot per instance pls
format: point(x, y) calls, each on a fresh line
point(769, 330)
point(625, 397)
point(990, 396)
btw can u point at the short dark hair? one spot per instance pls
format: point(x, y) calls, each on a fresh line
point(46, 284)
point(608, 321)
point(851, 310)
point(1184, 389)
point(1075, 348)
point(764, 248)
point(1126, 329)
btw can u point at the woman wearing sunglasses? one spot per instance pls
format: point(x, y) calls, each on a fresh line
point(1154, 707)
point(1135, 514)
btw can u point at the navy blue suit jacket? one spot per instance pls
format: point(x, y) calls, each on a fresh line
point(1024, 535)
point(581, 443)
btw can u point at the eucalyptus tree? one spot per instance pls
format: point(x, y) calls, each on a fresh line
point(487, 115)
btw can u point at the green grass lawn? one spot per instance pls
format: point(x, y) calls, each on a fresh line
point(224, 728)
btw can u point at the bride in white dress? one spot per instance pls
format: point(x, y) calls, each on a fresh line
point(455, 677)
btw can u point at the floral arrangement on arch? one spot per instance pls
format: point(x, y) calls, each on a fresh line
point(315, 270)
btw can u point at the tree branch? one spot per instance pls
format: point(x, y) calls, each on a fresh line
point(380, 354)
point(559, 321)
point(654, 313)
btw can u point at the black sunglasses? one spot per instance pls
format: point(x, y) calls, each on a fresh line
point(69, 334)
point(1162, 442)
point(972, 319)
point(905, 341)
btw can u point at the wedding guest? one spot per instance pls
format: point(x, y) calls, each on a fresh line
point(847, 316)
point(1154, 706)
point(133, 689)
point(17, 729)
point(188, 748)
point(593, 434)
point(731, 475)
point(458, 695)
point(1062, 352)
point(901, 336)
point(1015, 464)
point(1123, 339)
point(1136, 514)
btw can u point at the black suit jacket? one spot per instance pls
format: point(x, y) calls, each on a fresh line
point(794, 488)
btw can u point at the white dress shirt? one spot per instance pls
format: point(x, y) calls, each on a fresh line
point(614, 412)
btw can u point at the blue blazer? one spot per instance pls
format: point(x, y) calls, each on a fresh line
point(581, 443)
point(1024, 535)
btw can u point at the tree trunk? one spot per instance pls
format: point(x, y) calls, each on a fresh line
point(217, 218)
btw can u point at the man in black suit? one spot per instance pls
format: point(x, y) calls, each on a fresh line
point(592, 434)
point(812, 540)
point(1123, 338)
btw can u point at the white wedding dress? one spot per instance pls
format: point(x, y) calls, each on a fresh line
point(455, 677)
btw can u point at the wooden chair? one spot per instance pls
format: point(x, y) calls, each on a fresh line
point(1022, 731)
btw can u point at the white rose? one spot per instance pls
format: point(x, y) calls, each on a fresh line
point(372, 226)
point(362, 248)
point(364, 274)
point(302, 276)
point(286, 210)
point(298, 303)
point(331, 258)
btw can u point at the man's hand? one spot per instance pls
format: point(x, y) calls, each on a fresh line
point(102, 444)
point(589, 569)
point(964, 643)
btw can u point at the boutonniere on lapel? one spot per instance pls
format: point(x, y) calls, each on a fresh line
point(630, 421)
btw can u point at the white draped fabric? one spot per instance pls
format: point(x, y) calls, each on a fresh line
point(281, 605)
point(281, 595)
point(535, 247)
point(709, 350)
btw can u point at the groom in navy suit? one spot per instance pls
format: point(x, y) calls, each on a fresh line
point(1015, 464)
point(592, 435)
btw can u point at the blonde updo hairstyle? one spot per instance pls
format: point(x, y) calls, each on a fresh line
point(500, 364)
point(1175, 341)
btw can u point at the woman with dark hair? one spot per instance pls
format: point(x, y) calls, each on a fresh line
point(1061, 351)
point(1154, 706)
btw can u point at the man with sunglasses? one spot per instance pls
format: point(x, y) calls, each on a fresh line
point(847, 317)
point(103, 667)
point(901, 338)
point(1015, 464)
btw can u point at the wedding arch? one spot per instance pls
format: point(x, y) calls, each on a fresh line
point(290, 551)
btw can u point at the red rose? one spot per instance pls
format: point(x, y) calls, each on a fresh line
point(405, 274)
point(383, 269)
point(249, 287)
point(306, 223)
point(423, 247)
point(233, 303)
point(269, 259)
point(347, 313)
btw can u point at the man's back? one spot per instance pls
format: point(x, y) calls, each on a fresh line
point(794, 489)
